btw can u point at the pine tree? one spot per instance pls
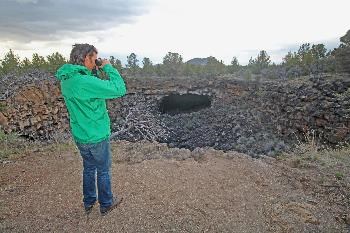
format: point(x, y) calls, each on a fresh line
point(54, 61)
point(147, 68)
point(132, 64)
point(116, 63)
point(39, 62)
point(172, 64)
point(234, 67)
point(342, 54)
point(10, 63)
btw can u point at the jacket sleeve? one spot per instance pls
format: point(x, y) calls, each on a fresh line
point(92, 87)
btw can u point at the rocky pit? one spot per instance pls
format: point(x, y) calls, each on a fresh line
point(252, 117)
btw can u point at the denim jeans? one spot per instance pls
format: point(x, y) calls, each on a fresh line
point(96, 157)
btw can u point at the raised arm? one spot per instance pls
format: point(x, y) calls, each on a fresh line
point(92, 87)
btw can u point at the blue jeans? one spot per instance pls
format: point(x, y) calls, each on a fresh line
point(96, 157)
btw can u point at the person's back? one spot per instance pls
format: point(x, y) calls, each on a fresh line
point(85, 97)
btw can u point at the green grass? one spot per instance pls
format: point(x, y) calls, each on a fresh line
point(68, 145)
point(13, 146)
point(3, 107)
point(10, 144)
point(339, 175)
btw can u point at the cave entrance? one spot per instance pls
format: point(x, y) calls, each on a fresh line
point(176, 103)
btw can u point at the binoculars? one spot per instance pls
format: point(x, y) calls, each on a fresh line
point(98, 62)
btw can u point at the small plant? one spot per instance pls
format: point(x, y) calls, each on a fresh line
point(10, 144)
point(2, 135)
point(3, 107)
point(339, 175)
point(310, 145)
point(7, 138)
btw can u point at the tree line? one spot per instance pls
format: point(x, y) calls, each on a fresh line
point(309, 59)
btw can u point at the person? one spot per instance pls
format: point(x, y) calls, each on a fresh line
point(85, 97)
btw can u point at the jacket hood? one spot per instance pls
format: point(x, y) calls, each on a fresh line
point(69, 70)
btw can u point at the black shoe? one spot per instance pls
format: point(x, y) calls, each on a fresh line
point(106, 210)
point(88, 209)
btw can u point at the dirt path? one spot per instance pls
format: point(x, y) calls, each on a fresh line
point(41, 192)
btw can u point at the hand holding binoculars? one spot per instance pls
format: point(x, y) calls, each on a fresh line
point(101, 62)
point(98, 62)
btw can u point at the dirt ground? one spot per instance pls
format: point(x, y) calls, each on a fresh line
point(172, 190)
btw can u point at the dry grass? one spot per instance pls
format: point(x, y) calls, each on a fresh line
point(14, 147)
point(11, 145)
point(310, 150)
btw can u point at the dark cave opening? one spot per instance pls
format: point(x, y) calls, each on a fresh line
point(176, 103)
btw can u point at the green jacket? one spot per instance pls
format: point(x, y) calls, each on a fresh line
point(85, 97)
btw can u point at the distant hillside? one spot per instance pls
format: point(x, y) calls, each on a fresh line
point(198, 61)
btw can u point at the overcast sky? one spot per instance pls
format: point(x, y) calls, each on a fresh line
point(151, 28)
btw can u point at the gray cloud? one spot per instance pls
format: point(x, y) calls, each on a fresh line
point(28, 20)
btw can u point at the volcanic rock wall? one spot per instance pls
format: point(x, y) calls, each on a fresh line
point(253, 117)
point(31, 105)
point(243, 113)
point(35, 111)
point(319, 104)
